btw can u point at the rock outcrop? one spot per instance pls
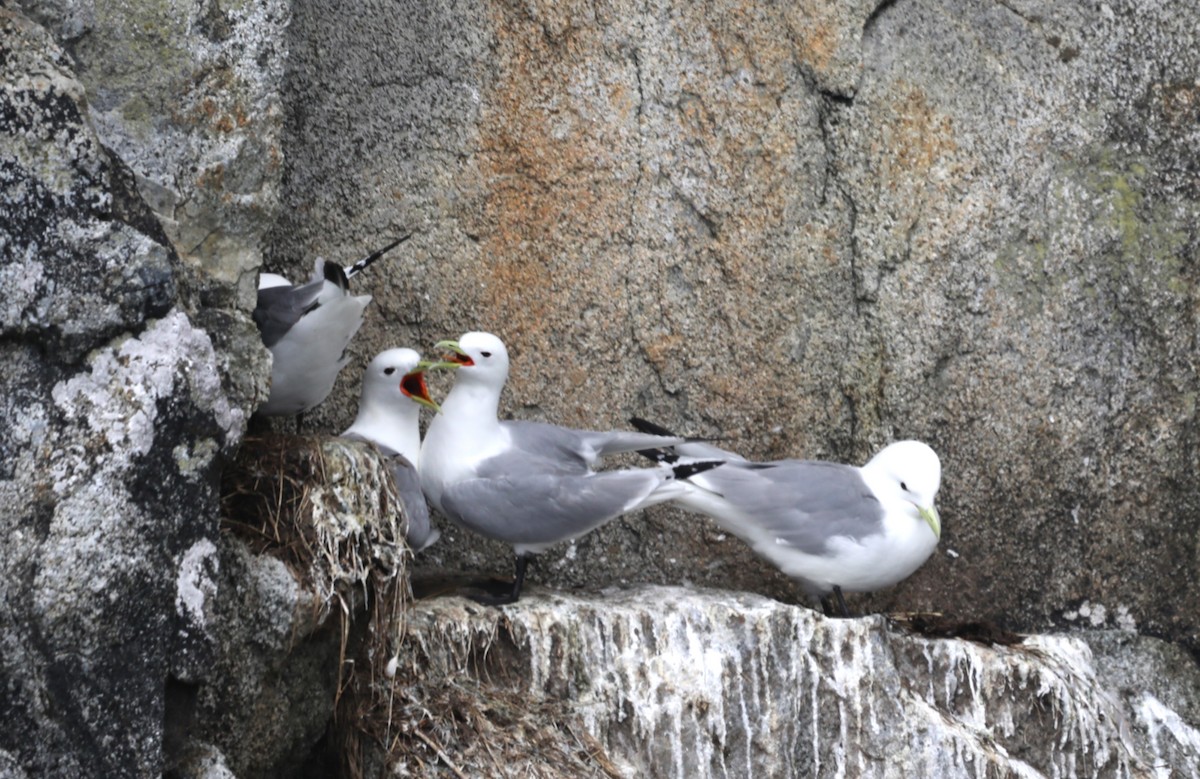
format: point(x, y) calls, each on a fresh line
point(116, 417)
point(683, 682)
point(121, 395)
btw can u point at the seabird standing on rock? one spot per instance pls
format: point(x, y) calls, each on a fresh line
point(528, 484)
point(307, 329)
point(393, 391)
point(832, 527)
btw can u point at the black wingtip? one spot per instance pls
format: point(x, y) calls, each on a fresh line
point(336, 275)
point(646, 426)
point(659, 455)
point(362, 264)
point(686, 470)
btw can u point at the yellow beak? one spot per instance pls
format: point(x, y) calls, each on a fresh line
point(450, 350)
point(930, 515)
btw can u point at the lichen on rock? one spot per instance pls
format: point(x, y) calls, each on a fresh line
point(106, 376)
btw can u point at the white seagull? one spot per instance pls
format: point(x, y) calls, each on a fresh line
point(393, 391)
point(529, 484)
point(307, 328)
point(832, 527)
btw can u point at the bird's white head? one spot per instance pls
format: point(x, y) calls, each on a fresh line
point(478, 358)
point(908, 474)
point(395, 379)
point(389, 415)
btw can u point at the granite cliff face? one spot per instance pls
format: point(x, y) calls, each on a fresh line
point(810, 228)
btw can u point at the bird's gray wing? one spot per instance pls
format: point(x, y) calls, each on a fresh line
point(617, 441)
point(552, 447)
point(801, 503)
point(583, 447)
point(698, 450)
point(279, 308)
point(523, 504)
point(421, 532)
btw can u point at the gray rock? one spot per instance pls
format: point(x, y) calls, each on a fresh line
point(105, 567)
point(116, 422)
point(108, 560)
point(1030, 214)
point(75, 267)
point(675, 682)
point(206, 762)
point(187, 94)
point(1160, 683)
point(271, 686)
point(10, 768)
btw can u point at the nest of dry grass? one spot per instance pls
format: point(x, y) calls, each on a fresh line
point(482, 724)
point(306, 501)
point(322, 505)
point(329, 510)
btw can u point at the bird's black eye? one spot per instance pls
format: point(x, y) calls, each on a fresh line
point(388, 371)
point(485, 354)
point(904, 486)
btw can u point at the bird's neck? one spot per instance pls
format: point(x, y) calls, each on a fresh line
point(881, 486)
point(467, 427)
point(474, 407)
point(398, 432)
point(463, 433)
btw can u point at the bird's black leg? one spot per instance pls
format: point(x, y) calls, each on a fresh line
point(519, 578)
point(514, 593)
point(299, 422)
point(841, 602)
point(827, 604)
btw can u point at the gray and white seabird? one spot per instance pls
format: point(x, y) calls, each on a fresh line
point(528, 484)
point(393, 391)
point(832, 527)
point(307, 328)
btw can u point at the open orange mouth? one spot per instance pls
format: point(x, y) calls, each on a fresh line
point(413, 385)
point(461, 359)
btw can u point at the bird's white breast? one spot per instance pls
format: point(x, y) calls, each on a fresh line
point(452, 451)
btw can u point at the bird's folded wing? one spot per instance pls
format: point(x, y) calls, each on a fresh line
point(279, 309)
point(542, 508)
point(799, 503)
point(421, 532)
point(584, 447)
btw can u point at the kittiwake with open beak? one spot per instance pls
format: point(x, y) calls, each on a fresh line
point(393, 391)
